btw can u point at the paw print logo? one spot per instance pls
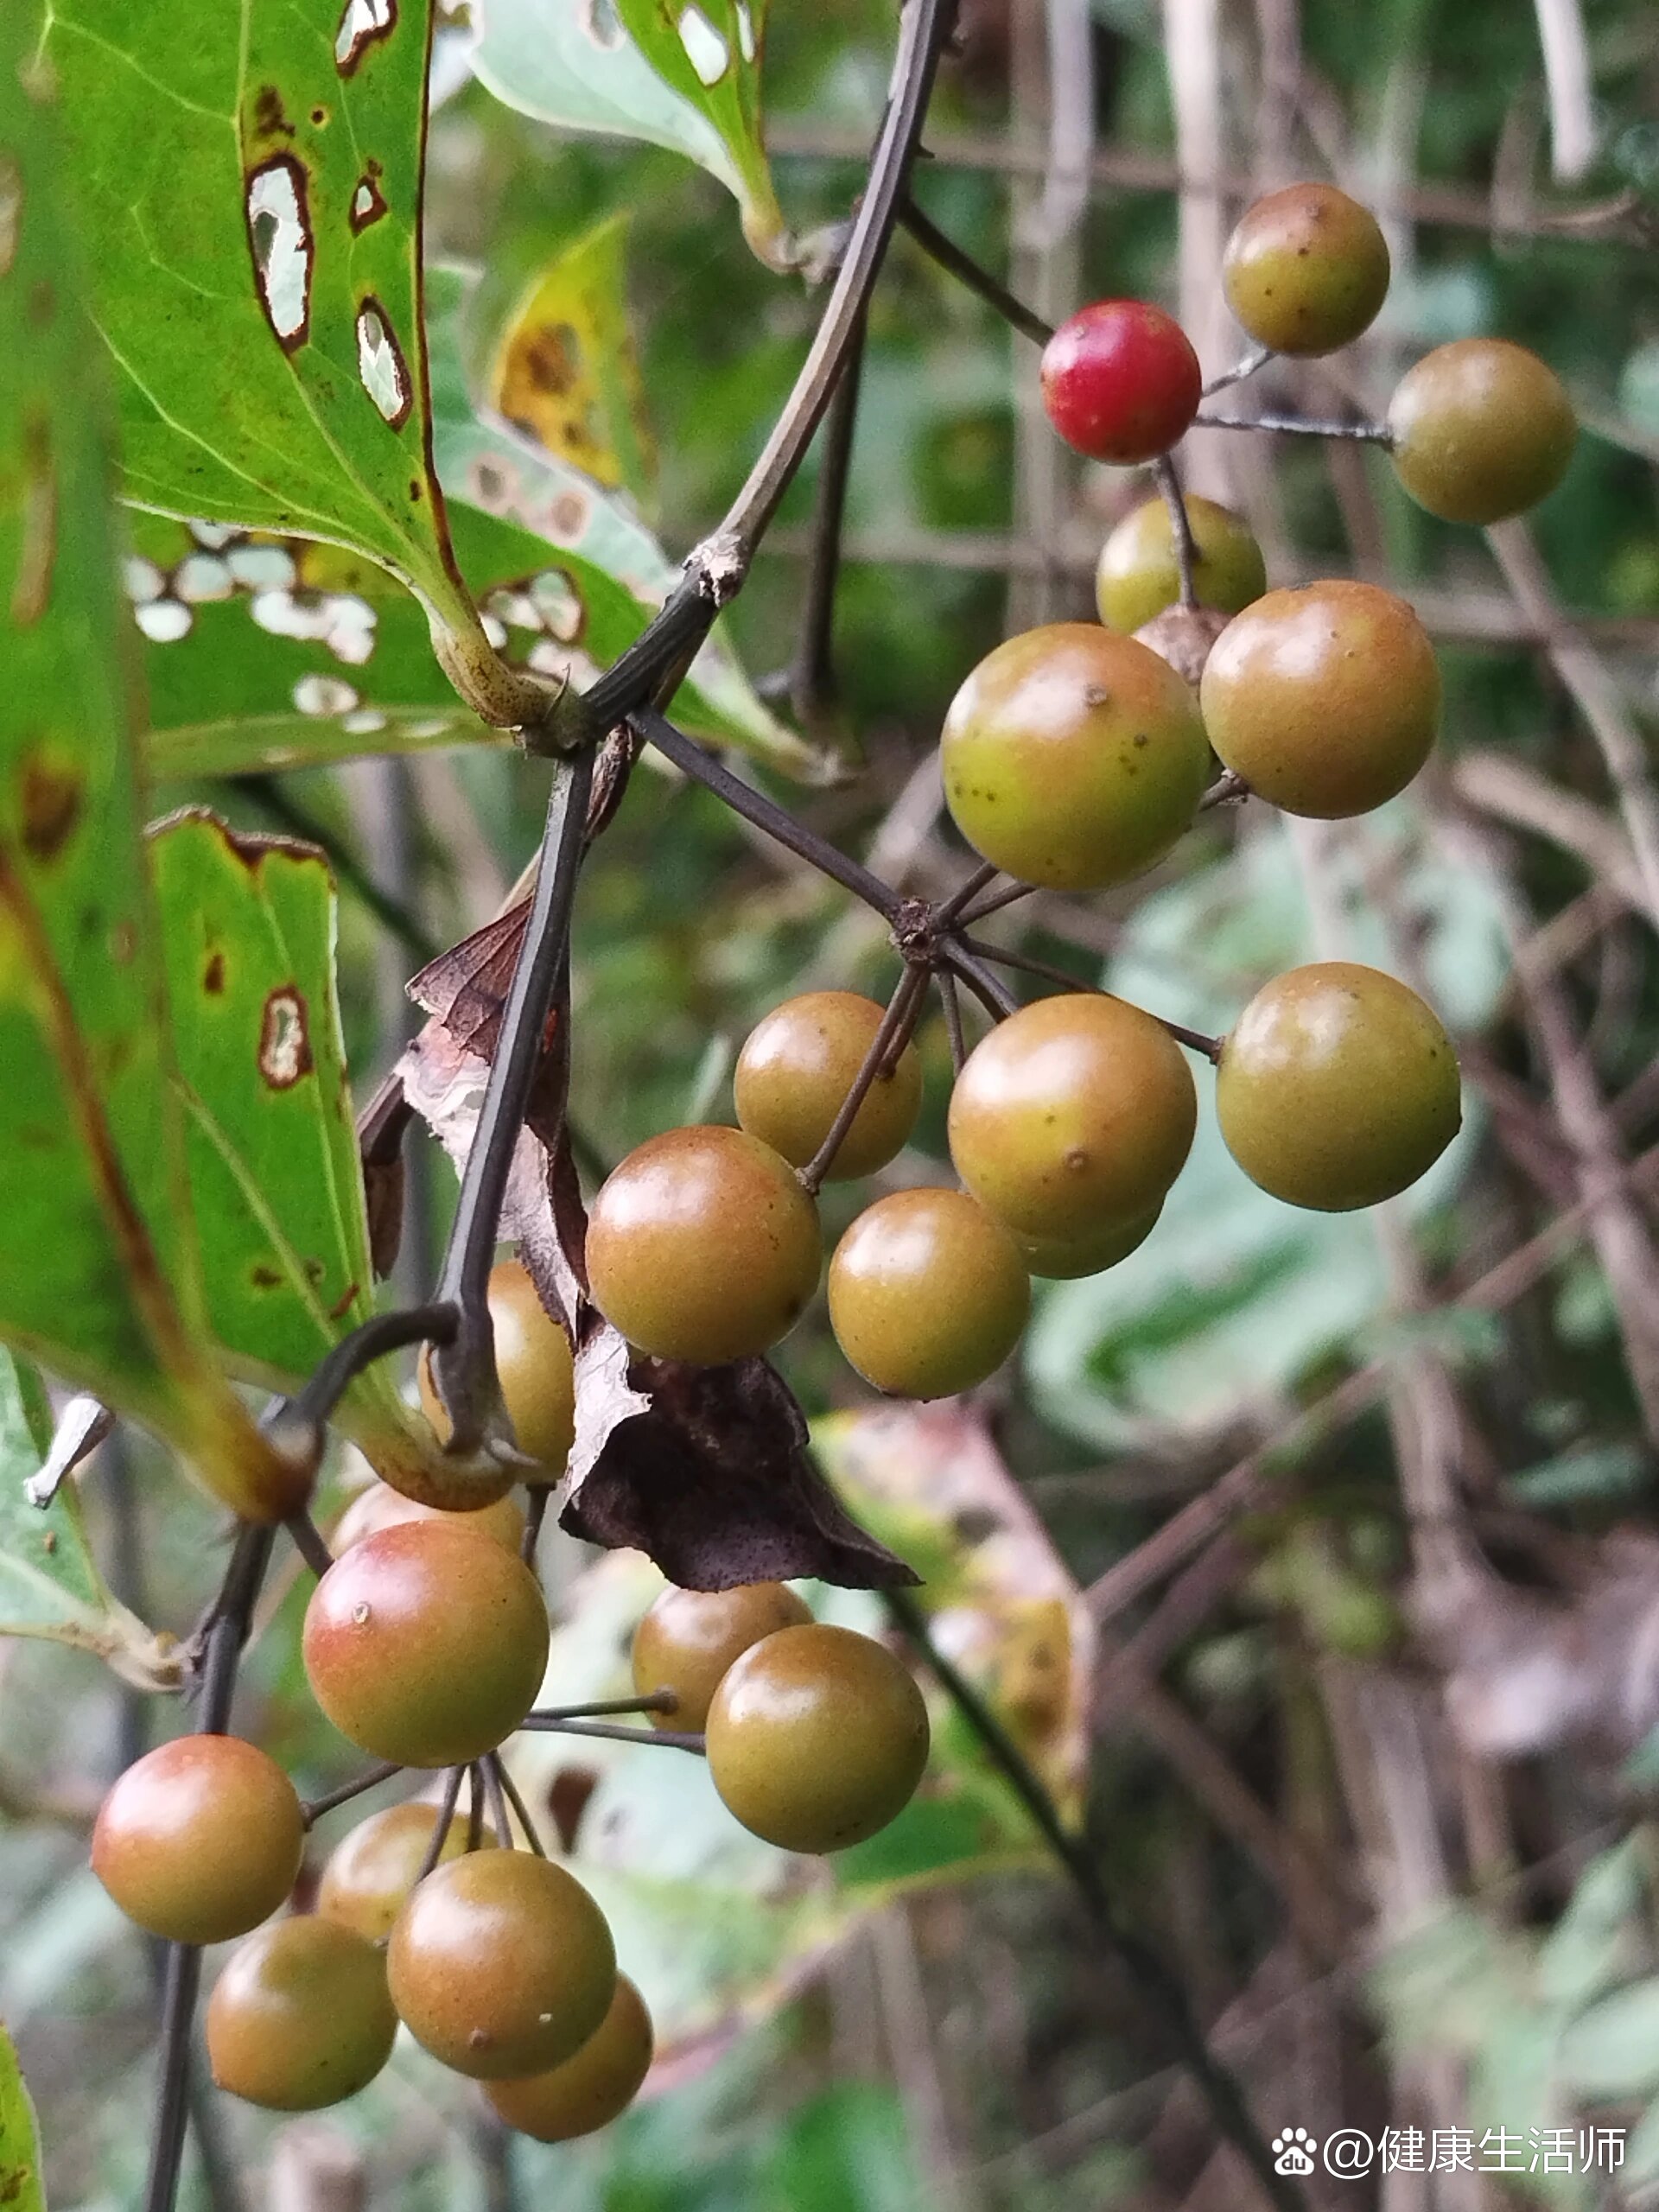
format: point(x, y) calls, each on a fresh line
point(1292, 2152)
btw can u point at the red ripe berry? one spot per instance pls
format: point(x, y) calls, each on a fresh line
point(1121, 381)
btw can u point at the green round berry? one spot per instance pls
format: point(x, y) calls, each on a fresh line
point(1482, 429)
point(1138, 575)
point(1306, 270)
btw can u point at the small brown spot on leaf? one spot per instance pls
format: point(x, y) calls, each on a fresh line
point(284, 1040)
point(279, 238)
point(49, 1542)
point(11, 210)
point(270, 119)
point(212, 975)
point(318, 118)
point(264, 1278)
point(342, 1305)
point(42, 303)
point(368, 202)
point(361, 22)
point(32, 586)
point(51, 795)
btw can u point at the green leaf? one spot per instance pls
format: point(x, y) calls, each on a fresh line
point(50, 1586)
point(716, 1927)
point(20, 2138)
point(276, 1179)
point(1613, 2050)
point(1236, 1295)
point(686, 77)
point(99, 1275)
point(268, 653)
point(1598, 1936)
point(564, 368)
point(255, 189)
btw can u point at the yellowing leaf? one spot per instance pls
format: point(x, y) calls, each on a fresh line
point(565, 371)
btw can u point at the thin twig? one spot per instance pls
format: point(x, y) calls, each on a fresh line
point(314, 1807)
point(812, 687)
point(1195, 1038)
point(695, 761)
point(893, 1032)
point(384, 1333)
point(1228, 788)
point(463, 1368)
point(952, 257)
point(309, 1543)
point(951, 911)
point(994, 901)
point(998, 1003)
point(951, 1007)
point(489, 1771)
point(442, 1822)
point(541, 1498)
point(542, 1724)
point(1181, 529)
point(1297, 426)
point(515, 1798)
point(1153, 1979)
point(596, 1708)
point(1241, 371)
point(225, 1634)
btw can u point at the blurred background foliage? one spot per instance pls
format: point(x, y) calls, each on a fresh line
point(1366, 1747)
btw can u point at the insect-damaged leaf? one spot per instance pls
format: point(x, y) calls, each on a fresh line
point(49, 1582)
point(21, 2189)
point(565, 370)
point(276, 1181)
point(253, 178)
point(680, 73)
point(98, 1270)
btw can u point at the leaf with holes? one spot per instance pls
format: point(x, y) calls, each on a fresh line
point(564, 369)
point(265, 652)
point(542, 542)
point(276, 1181)
point(255, 187)
point(99, 1275)
point(684, 76)
point(49, 1583)
point(20, 2136)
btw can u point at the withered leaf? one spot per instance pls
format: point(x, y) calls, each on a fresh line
point(466, 989)
point(713, 1478)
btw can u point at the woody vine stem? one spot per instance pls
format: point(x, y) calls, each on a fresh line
point(622, 711)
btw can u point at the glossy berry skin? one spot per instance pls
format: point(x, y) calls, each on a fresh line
point(796, 1068)
point(1306, 270)
point(690, 1638)
point(927, 1293)
point(1337, 1088)
point(299, 2017)
point(702, 1246)
point(1064, 1259)
point(1482, 429)
point(533, 1365)
point(1121, 381)
point(816, 1738)
point(1326, 700)
point(380, 1506)
point(372, 1871)
point(501, 1965)
point(1072, 1116)
point(590, 2089)
point(426, 1644)
point(200, 1840)
point(1137, 575)
point(1074, 758)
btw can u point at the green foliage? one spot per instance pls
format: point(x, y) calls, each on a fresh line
point(98, 1271)
point(50, 1584)
point(289, 395)
point(688, 81)
point(20, 2146)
